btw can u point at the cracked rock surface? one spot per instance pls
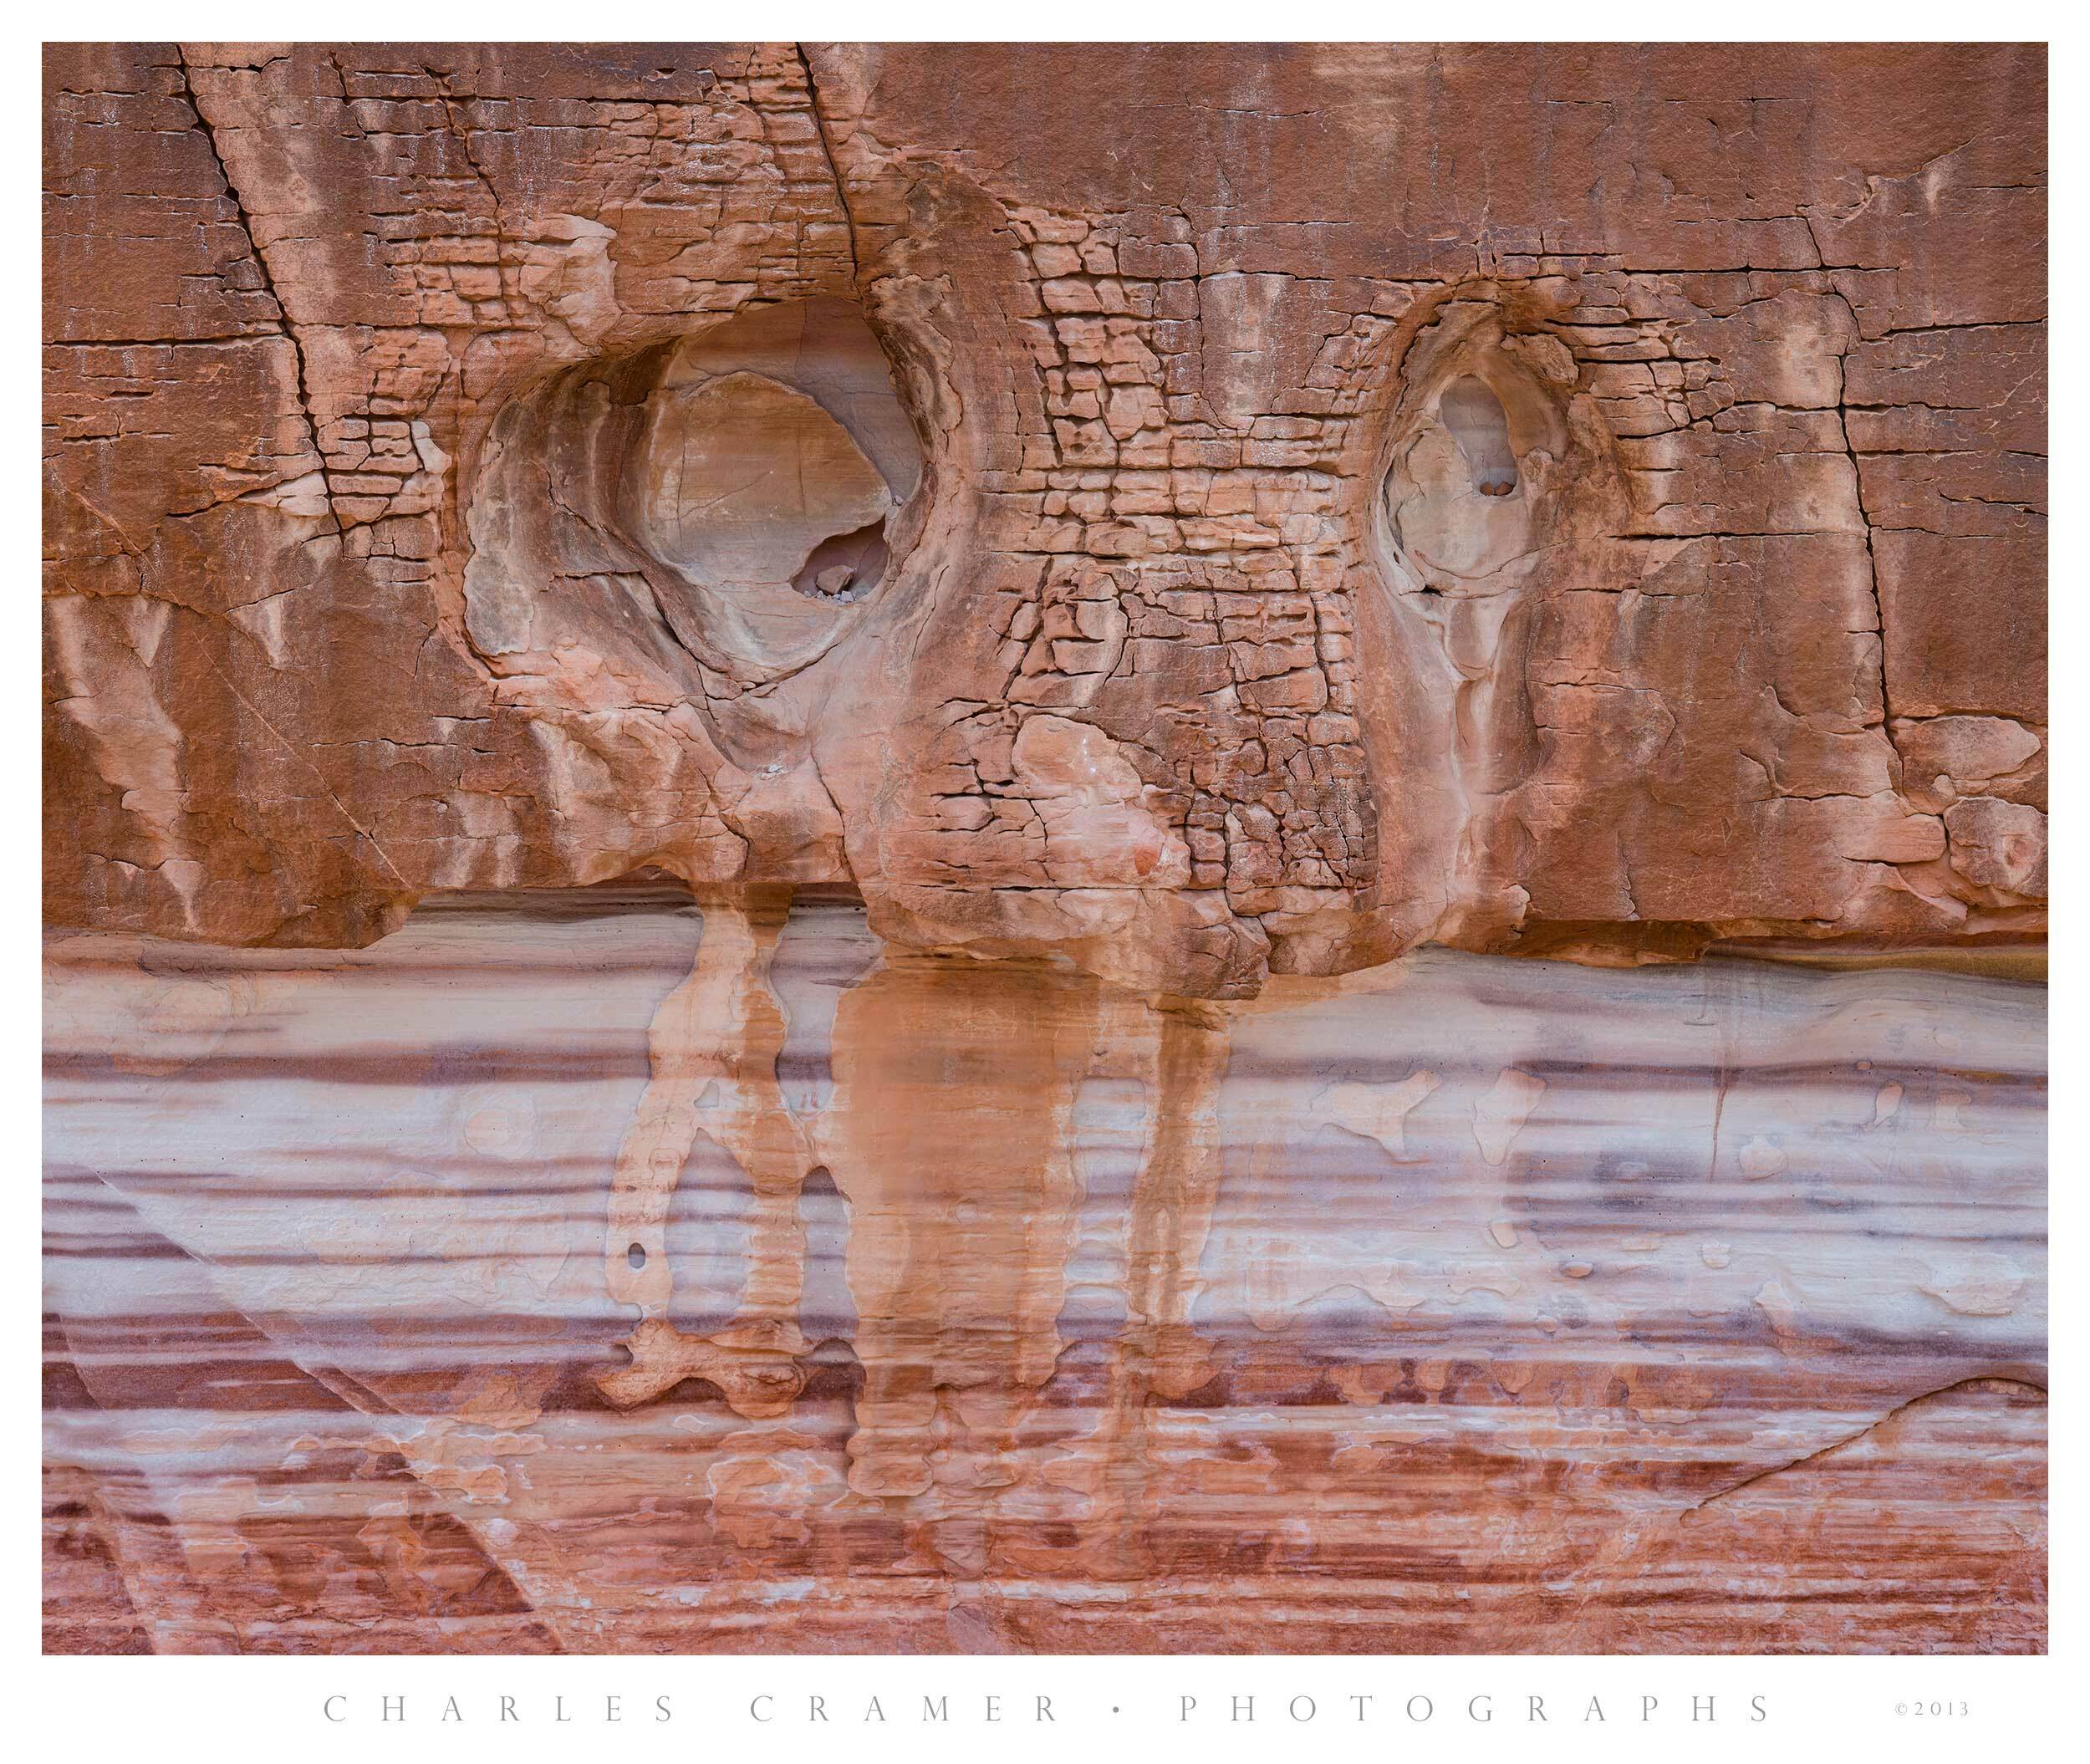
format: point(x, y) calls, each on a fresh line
point(974, 658)
point(1608, 517)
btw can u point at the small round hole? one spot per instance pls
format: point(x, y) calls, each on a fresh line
point(636, 1256)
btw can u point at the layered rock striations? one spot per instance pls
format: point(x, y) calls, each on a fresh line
point(609, 1272)
point(789, 790)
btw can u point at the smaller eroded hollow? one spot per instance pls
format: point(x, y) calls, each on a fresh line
point(1479, 424)
point(1475, 472)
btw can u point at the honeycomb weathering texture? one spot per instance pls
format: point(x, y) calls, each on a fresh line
point(787, 788)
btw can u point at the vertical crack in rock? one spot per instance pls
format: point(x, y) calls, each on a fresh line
point(283, 319)
point(507, 275)
point(303, 755)
point(834, 163)
point(1865, 515)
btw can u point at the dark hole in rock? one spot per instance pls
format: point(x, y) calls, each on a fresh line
point(635, 1256)
point(1478, 424)
point(845, 568)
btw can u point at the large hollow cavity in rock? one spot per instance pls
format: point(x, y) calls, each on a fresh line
point(775, 458)
point(736, 499)
point(776, 454)
point(745, 479)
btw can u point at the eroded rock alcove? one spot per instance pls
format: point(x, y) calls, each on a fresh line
point(698, 522)
point(828, 868)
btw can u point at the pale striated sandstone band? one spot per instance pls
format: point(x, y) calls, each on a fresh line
point(1466, 1303)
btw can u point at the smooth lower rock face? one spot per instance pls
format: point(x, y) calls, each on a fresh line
point(604, 1271)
